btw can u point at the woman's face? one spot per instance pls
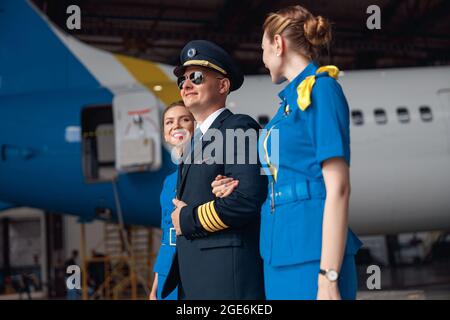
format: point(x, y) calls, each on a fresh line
point(271, 60)
point(178, 125)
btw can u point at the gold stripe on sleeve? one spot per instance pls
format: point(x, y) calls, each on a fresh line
point(202, 221)
point(216, 216)
point(211, 217)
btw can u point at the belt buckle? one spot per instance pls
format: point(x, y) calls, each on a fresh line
point(302, 190)
point(170, 237)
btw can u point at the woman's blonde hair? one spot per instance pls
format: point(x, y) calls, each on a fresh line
point(306, 33)
point(179, 103)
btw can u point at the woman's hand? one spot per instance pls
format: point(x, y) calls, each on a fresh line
point(152, 295)
point(223, 186)
point(327, 290)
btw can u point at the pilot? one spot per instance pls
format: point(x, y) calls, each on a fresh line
point(178, 127)
point(307, 247)
point(218, 239)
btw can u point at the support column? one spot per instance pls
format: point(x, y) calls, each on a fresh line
point(5, 249)
point(84, 271)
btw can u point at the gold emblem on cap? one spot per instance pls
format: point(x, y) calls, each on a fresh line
point(191, 52)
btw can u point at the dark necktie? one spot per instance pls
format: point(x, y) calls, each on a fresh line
point(196, 139)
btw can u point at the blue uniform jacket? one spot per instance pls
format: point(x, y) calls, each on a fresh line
point(168, 239)
point(292, 215)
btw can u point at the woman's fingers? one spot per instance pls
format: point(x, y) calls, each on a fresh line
point(228, 189)
point(217, 190)
point(220, 182)
point(226, 193)
point(223, 186)
point(224, 190)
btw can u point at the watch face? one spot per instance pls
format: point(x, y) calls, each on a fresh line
point(332, 275)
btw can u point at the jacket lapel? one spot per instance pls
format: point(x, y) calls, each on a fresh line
point(195, 154)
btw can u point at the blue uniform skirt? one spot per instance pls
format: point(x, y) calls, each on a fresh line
point(161, 280)
point(299, 282)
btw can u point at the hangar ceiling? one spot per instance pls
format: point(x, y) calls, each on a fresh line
point(413, 32)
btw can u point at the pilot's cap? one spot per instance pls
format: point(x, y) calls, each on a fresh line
point(207, 54)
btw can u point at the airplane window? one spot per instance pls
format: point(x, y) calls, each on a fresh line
point(425, 113)
point(403, 114)
point(380, 116)
point(263, 120)
point(357, 117)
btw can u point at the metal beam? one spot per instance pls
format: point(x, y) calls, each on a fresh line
point(423, 18)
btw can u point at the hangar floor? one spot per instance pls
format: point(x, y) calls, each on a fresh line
point(412, 282)
point(434, 292)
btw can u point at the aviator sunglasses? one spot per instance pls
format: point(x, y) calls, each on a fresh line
point(196, 77)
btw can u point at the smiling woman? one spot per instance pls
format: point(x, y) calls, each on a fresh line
point(178, 126)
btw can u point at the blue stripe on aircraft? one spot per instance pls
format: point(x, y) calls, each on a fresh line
point(32, 56)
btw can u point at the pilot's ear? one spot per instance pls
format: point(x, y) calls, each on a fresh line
point(225, 85)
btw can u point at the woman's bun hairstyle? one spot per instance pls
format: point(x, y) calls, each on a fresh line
point(305, 33)
point(317, 30)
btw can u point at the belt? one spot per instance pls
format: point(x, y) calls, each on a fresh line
point(171, 235)
point(283, 193)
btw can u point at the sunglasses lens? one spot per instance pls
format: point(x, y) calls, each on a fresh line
point(180, 81)
point(196, 77)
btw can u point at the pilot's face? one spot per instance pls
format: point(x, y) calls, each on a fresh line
point(271, 60)
point(178, 125)
point(201, 87)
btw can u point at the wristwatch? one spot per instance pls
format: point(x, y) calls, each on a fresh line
point(330, 274)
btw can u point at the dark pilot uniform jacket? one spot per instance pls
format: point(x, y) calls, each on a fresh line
point(218, 252)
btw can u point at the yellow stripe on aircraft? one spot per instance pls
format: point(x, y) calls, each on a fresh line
point(149, 74)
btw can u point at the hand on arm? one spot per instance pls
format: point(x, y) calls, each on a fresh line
point(223, 186)
point(235, 203)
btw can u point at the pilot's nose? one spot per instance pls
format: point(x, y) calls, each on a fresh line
point(187, 84)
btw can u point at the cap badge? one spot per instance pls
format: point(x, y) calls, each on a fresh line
point(191, 52)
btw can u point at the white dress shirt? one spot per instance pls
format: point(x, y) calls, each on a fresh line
point(204, 126)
